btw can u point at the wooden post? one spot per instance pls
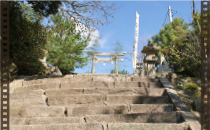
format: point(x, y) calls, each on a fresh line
point(93, 64)
point(116, 65)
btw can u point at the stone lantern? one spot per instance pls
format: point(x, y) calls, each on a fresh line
point(150, 58)
point(139, 67)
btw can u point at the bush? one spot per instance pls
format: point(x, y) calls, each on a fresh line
point(123, 72)
point(192, 87)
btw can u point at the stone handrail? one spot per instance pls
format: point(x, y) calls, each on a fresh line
point(192, 122)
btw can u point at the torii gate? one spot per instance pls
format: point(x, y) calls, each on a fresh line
point(114, 55)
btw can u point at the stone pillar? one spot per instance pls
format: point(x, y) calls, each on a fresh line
point(150, 58)
point(93, 64)
point(139, 67)
point(151, 69)
point(116, 65)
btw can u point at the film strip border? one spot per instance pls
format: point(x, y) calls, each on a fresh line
point(5, 65)
point(205, 65)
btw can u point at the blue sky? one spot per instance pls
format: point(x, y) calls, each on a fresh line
point(122, 29)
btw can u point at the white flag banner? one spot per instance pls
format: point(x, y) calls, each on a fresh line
point(136, 40)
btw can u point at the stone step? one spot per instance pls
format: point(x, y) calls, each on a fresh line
point(147, 126)
point(45, 120)
point(108, 84)
point(56, 80)
point(79, 78)
point(88, 84)
point(24, 94)
point(166, 117)
point(67, 126)
point(111, 78)
point(98, 126)
point(61, 100)
point(133, 99)
point(38, 86)
point(98, 99)
point(45, 111)
point(119, 91)
point(23, 101)
point(28, 93)
point(75, 110)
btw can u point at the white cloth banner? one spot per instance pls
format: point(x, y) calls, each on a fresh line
point(136, 40)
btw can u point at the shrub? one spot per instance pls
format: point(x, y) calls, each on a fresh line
point(120, 72)
point(192, 87)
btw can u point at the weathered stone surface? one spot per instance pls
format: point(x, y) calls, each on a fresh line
point(191, 120)
point(64, 91)
point(87, 84)
point(45, 120)
point(75, 126)
point(173, 95)
point(150, 108)
point(109, 78)
point(26, 89)
point(137, 84)
point(35, 87)
point(169, 117)
point(30, 112)
point(15, 84)
point(126, 91)
point(114, 99)
point(119, 91)
point(28, 101)
point(110, 84)
point(75, 99)
point(28, 93)
point(146, 126)
point(96, 109)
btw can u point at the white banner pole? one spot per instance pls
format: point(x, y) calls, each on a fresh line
point(136, 41)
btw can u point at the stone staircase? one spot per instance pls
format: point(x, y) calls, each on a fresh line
point(93, 102)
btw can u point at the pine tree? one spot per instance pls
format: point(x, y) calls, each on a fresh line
point(27, 40)
point(181, 47)
point(66, 45)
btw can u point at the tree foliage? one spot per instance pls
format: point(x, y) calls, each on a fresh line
point(66, 45)
point(27, 39)
point(89, 13)
point(181, 47)
point(45, 8)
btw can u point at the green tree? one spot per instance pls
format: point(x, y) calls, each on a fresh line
point(177, 43)
point(27, 39)
point(66, 45)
